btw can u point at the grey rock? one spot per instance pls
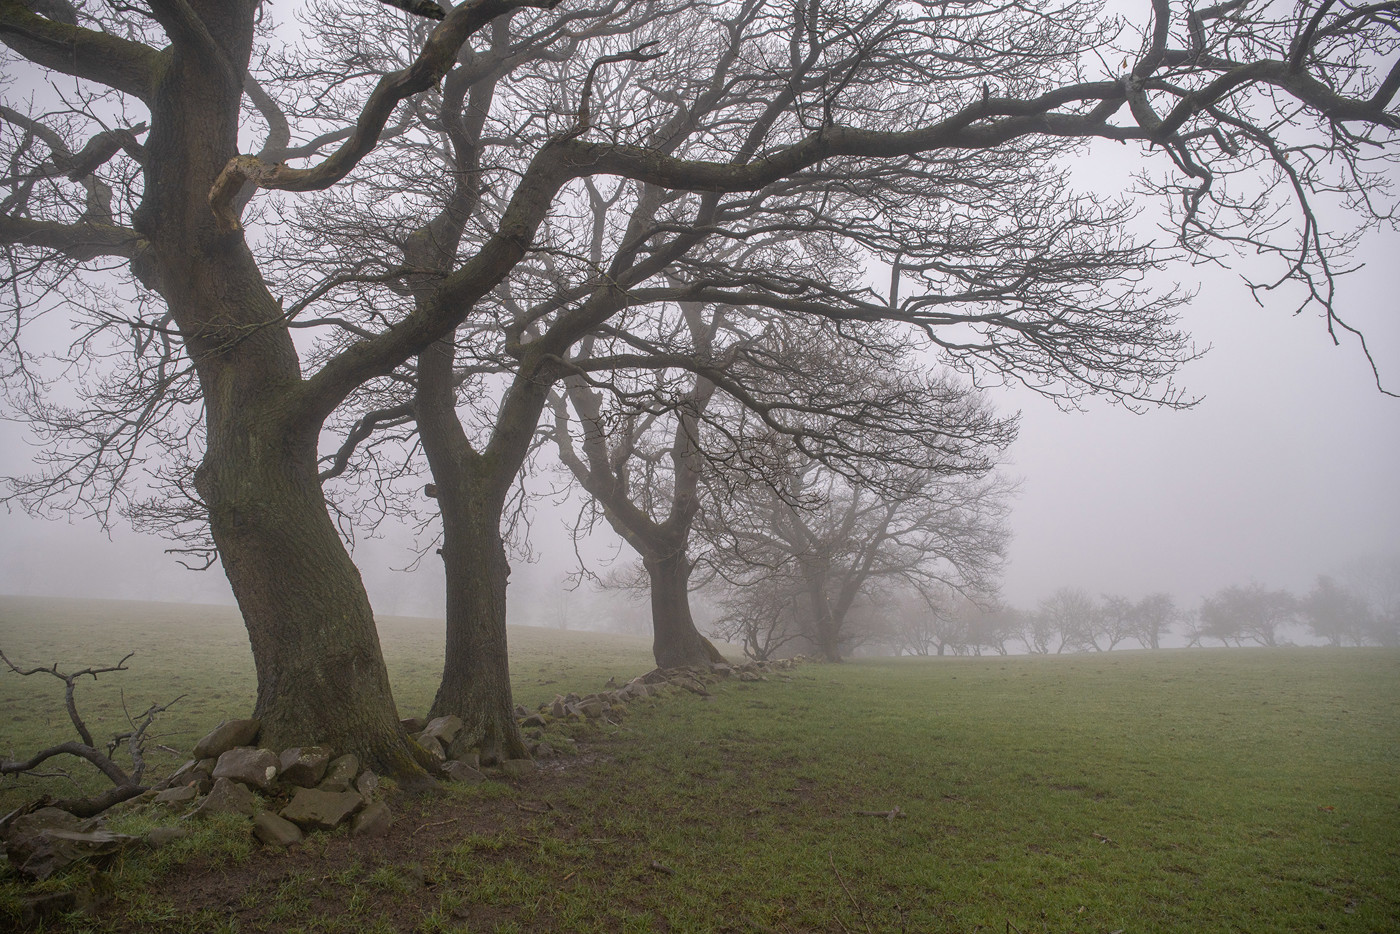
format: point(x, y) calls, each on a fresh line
point(226, 797)
point(317, 809)
point(367, 784)
point(373, 821)
point(559, 710)
point(276, 831)
point(534, 720)
point(51, 850)
point(226, 736)
point(591, 708)
point(248, 765)
point(544, 751)
point(432, 744)
point(414, 724)
point(180, 794)
point(178, 777)
point(340, 774)
point(444, 729)
point(461, 772)
point(303, 766)
point(521, 711)
point(471, 757)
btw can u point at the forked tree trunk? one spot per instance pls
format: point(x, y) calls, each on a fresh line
point(471, 491)
point(675, 640)
point(321, 677)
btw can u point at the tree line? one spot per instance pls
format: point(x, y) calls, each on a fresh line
point(732, 259)
point(903, 620)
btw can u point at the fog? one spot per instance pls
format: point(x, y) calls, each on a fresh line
point(1284, 470)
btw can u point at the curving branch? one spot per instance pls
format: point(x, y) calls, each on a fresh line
point(438, 56)
point(61, 45)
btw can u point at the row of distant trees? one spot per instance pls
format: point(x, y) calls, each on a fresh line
point(937, 620)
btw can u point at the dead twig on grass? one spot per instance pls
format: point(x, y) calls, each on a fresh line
point(441, 823)
point(859, 908)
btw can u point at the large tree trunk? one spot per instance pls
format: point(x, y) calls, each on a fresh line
point(471, 490)
point(476, 671)
point(675, 640)
point(321, 677)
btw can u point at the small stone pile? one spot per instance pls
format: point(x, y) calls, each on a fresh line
point(285, 795)
point(658, 682)
point(445, 741)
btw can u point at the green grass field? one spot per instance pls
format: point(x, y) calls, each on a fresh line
point(1204, 790)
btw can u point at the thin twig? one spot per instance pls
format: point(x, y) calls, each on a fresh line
point(832, 859)
point(441, 823)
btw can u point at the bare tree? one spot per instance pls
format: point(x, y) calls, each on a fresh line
point(841, 543)
point(1254, 612)
point(931, 144)
point(926, 623)
point(1071, 619)
point(1336, 614)
point(1152, 617)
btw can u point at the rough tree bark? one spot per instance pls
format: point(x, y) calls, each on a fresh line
point(471, 492)
point(321, 677)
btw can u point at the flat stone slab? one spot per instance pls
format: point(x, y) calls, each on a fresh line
point(373, 821)
point(444, 729)
point(461, 772)
point(227, 797)
point(248, 765)
point(226, 736)
point(276, 831)
point(181, 794)
point(316, 809)
point(340, 774)
point(304, 766)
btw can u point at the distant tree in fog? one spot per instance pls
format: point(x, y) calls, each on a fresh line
point(843, 545)
point(1069, 618)
point(1254, 613)
point(1116, 620)
point(1152, 618)
point(1376, 579)
point(927, 623)
point(1335, 614)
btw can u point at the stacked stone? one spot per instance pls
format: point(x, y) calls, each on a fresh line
point(284, 795)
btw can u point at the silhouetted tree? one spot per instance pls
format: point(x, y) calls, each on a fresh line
point(1254, 612)
point(1336, 614)
point(929, 143)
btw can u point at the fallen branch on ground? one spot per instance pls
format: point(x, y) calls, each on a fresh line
point(124, 784)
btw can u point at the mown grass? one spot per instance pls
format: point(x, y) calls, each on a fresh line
point(1221, 790)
